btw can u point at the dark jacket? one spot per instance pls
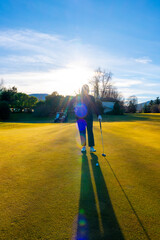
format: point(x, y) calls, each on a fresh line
point(84, 106)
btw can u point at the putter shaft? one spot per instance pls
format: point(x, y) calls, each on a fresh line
point(102, 139)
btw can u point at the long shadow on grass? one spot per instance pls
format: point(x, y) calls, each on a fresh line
point(96, 220)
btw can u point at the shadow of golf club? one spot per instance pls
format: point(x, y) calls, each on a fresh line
point(96, 219)
point(134, 211)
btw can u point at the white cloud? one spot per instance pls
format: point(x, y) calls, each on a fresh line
point(64, 80)
point(122, 82)
point(33, 47)
point(39, 62)
point(27, 59)
point(153, 84)
point(25, 39)
point(143, 60)
point(139, 92)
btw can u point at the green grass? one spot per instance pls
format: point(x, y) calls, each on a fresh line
point(31, 118)
point(50, 191)
point(28, 117)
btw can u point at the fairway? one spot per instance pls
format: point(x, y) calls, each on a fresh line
point(50, 191)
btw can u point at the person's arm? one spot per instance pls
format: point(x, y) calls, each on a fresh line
point(96, 109)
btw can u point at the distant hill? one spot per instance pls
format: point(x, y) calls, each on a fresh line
point(40, 96)
point(141, 105)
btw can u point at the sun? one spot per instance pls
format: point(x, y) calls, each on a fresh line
point(69, 80)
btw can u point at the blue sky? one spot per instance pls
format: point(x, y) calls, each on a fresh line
point(57, 44)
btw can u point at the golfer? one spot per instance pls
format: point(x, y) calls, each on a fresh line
point(84, 106)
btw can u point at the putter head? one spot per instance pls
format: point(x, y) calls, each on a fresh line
point(104, 155)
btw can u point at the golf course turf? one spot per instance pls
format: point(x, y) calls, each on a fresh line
point(49, 190)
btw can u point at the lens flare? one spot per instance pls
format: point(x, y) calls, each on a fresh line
point(82, 124)
point(82, 222)
point(83, 139)
point(81, 211)
point(82, 231)
point(81, 110)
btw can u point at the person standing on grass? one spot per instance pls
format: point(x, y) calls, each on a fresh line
point(84, 106)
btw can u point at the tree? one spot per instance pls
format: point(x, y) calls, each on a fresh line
point(8, 95)
point(155, 108)
point(31, 103)
point(152, 107)
point(21, 100)
point(41, 109)
point(157, 101)
point(112, 92)
point(151, 103)
point(146, 108)
point(53, 102)
point(118, 108)
point(95, 82)
point(132, 104)
point(5, 96)
point(1, 85)
point(102, 85)
point(17, 100)
point(4, 110)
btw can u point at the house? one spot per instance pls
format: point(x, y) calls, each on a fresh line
point(108, 104)
point(140, 106)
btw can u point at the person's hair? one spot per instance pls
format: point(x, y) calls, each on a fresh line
point(85, 88)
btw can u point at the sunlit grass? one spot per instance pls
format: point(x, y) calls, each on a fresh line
point(41, 178)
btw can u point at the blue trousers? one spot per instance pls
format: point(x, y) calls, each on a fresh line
point(82, 125)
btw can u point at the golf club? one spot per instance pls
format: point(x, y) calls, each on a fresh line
point(103, 154)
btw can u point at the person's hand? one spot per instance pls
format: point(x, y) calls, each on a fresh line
point(99, 118)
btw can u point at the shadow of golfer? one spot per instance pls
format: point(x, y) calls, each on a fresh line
point(96, 219)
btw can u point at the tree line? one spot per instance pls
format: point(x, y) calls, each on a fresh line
point(152, 107)
point(53, 103)
point(12, 101)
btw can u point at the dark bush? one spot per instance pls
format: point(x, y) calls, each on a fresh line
point(41, 110)
point(118, 108)
point(155, 108)
point(146, 108)
point(4, 110)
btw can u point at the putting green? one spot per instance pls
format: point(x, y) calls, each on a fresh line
point(49, 190)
